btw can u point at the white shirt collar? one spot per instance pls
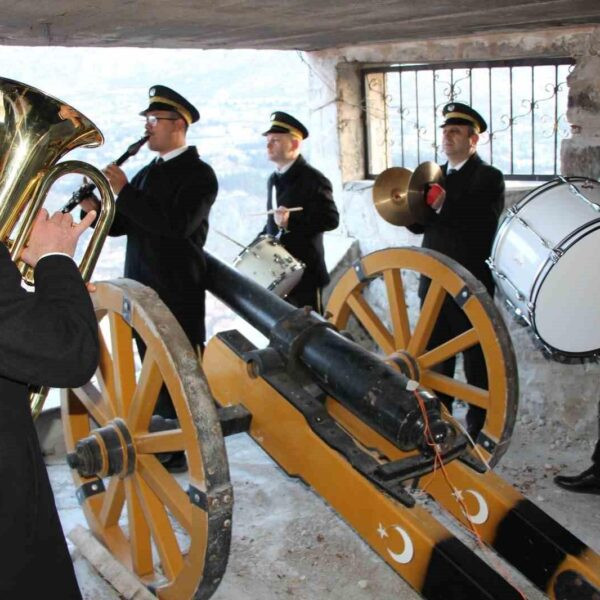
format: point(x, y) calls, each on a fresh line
point(282, 170)
point(174, 153)
point(458, 166)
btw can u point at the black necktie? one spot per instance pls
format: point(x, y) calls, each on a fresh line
point(159, 161)
point(451, 171)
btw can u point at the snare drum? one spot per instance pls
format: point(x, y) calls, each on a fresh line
point(269, 264)
point(546, 263)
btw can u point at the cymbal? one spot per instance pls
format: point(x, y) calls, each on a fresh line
point(390, 196)
point(426, 173)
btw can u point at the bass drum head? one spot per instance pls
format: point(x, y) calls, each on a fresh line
point(567, 304)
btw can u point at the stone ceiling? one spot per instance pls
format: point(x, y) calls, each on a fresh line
point(278, 24)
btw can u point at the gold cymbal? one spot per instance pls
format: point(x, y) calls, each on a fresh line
point(390, 196)
point(425, 174)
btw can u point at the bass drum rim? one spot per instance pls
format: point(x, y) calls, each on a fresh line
point(548, 185)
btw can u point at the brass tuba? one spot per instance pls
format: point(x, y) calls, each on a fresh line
point(36, 131)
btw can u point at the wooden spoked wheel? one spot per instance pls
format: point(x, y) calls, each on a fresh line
point(390, 316)
point(172, 531)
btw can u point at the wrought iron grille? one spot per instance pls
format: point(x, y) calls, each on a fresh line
point(524, 103)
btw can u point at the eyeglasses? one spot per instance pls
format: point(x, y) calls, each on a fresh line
point(153, 120)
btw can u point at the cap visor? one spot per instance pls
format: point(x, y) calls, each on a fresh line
point(277, 129)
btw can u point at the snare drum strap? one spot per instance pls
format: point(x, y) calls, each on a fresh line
point(272, 228)
point(272, 195)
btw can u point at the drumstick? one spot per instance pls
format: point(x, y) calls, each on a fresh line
point(229, 238)
point(272, 211)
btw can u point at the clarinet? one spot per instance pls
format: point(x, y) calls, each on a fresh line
point(87, 188)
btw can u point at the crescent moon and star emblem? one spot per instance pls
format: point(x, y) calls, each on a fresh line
point(408, 550)
point(483, 511)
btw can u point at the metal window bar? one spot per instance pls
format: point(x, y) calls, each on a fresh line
point(417, 115)
point(491, 123)
point(555, 136)
point(511, 122)
point(401, 114)
point(470, 86)
point(532, 120)
point(453, 91)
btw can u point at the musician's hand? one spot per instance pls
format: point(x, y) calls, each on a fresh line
point(116, 177)
point(87, 183)
point(91, 287)
point(281, 216)
point(56, 233)
point(90, 203)
point(435, 196)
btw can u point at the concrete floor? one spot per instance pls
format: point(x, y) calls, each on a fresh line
point(288, 542)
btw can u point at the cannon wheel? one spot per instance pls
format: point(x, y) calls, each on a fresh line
point(388, 326)
point(172, 532)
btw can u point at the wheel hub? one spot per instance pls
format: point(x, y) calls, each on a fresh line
point(405, 363)
point(107, 451)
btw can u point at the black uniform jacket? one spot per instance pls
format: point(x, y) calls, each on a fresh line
point(49, 337)
point(164, 213)
point(302, 185)
point(465, 227)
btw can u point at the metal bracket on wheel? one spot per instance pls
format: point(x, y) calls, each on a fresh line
point(197, 497)
point(488, 443)
point(127, 312)
point(91, 488)
point(462, 296)
point(359, 271)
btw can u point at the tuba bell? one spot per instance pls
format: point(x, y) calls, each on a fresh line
point(36, 131)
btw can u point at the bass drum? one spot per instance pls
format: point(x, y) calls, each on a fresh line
point(545, 260)
point(269, 264)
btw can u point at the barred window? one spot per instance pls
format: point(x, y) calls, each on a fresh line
point(524, 103)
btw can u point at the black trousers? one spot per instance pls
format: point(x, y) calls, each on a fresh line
point(35, 559)
point(164, 404)
point(306, 296)
point(452, 321)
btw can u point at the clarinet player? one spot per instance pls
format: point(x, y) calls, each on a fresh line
point(164, 211)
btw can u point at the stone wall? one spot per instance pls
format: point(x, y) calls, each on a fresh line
point(559, 400)
point(580, 154)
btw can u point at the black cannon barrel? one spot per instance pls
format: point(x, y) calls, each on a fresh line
point(378, 393)
point(245, 297)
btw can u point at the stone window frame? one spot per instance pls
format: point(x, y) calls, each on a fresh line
point(525, 112)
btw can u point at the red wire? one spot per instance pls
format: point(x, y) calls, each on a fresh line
point(438, 461)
